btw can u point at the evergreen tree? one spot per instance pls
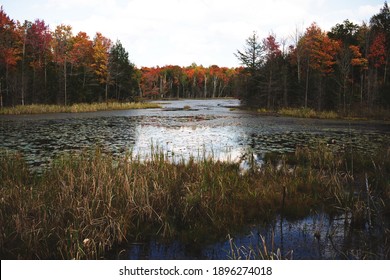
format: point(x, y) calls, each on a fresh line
point(252, 58)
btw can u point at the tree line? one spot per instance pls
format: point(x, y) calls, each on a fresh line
point(343, 69)
point(194, 81)
point(38, 65)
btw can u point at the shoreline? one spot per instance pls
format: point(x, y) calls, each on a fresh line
point(75, 108)
point(308, 113)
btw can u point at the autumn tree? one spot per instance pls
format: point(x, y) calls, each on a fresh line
point(38, 44)
point(81, 58)
point(272, 55)
point(378, 58)
point(346, 34)
point(214, 73)
point(62, 45)
point(319, 56)
point(149, 82)
point(101, 51)
point(9, 52)
point(225, 76)
point(380, 23)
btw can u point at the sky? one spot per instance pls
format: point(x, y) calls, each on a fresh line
point(182, 32)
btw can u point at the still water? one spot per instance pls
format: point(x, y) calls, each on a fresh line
point(215, 128)
point(210, 127)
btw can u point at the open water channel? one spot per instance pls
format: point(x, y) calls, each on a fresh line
point(205, 127)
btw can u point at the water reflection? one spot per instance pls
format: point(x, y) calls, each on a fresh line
point(41, 141)
point(317, 236)
point(210, 129)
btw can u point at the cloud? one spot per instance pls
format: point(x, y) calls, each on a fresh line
point(367, 11)
point(185, 31)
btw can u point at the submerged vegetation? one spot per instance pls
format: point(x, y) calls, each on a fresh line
point(86, 204)
point(75, 108)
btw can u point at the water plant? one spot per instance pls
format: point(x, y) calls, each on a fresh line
point(260, 251)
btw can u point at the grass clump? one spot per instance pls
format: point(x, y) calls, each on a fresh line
point(308, 113)
point(86, 203)
point(75, 108)
point(260, 251)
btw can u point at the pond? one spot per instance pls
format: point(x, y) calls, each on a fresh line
point(207, 127)
point(184, 128)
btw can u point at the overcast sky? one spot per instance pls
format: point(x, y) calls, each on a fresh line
point(180, 32)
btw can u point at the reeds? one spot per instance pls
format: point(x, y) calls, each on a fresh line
point(260, 251)
point(75, 108)
point(308, 113)
point(86, 203)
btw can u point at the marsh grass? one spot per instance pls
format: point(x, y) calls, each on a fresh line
point(260, 251)
point(354, 114)
point(75, 108)
point(86, 203)
point(308, 113)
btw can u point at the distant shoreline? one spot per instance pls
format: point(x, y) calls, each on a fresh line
point(75, 108)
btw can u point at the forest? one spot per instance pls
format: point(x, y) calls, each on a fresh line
point(344, 69)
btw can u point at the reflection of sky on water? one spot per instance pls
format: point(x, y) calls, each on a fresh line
point(209, 128)
point(294, 239)
point(185, 141)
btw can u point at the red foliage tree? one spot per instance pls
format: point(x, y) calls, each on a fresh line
point(9, 51)
point(377, 53)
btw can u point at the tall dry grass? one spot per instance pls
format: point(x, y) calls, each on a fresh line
point(86, 203)
point(308, 113)
point(75, 108)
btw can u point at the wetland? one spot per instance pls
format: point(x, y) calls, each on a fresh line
point(194, 179)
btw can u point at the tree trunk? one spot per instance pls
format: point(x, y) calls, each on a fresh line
point(307, 84)
point(84, 76)
point(23, 58)
point(140, 90)
point(6, 79)
point(46, 95)
point(299, 67)
point(161, 87)
point(285, 89)
point(32, 98)
point(205, 87)
point(106, 93)
point(344, 94)
point(369, 88)
point(361, 88)
point(1, 97)
point(320, 89)
point(269, 90)
point(65, 93)
point(385, 73)
point(214, 86)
